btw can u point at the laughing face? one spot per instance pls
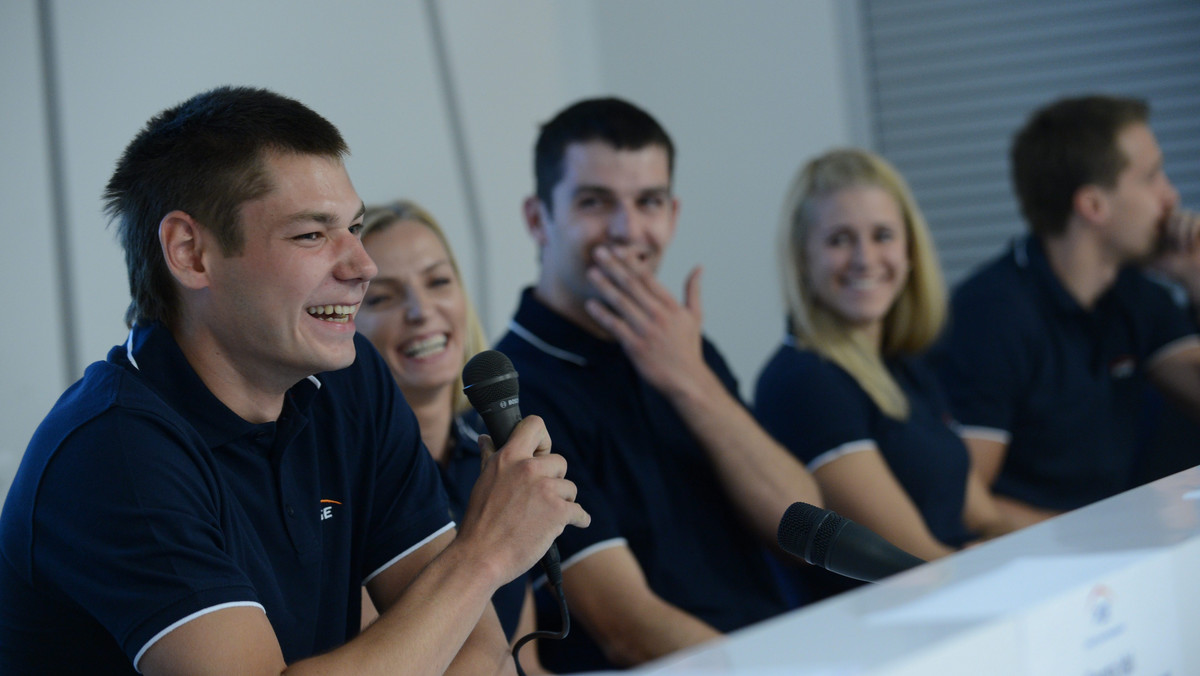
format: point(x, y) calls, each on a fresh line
point(283, 308)
point(616, 198)
point(857, 255)
point(415, 311)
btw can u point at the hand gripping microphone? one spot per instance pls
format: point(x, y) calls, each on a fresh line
point(840, 545)
point(490, 383)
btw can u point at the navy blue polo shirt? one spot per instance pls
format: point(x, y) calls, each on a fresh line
point(459, 475)
point(656, 482)
point(820, 413)
point(1024, 364)
point(142, 502)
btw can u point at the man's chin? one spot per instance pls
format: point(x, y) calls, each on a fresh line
point(1155, 250)
point(337, 360)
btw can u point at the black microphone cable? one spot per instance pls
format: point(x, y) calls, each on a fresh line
point(554, 581)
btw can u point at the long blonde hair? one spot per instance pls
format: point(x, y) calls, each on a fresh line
point(919, 312)
point(378, 218)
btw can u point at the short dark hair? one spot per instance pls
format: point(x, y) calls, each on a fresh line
point(1064, 146)
point(618, 123)
point(205, 157)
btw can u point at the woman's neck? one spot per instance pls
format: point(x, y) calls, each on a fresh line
point(435, 415)
point(869, 336)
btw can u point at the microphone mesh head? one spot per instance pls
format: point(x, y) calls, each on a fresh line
point(489, 377)
point(823, 538)
point(798, 521)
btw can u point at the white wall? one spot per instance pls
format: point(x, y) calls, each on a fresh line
point(31, 340)
point(748, 90)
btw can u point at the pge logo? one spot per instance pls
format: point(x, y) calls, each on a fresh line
point(1100, 604)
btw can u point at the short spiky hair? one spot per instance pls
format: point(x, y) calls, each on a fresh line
point(1064, 146)
point(618, 123)
point(204, 157)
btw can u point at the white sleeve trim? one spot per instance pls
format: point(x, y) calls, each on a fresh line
point(985, 434)
point(841, 451)
point(1175, 346)
point(220, 606)
point(429, 538)
point(583, 554)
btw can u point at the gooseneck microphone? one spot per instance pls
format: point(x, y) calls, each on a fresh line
point(840, 545)
point(490, 383)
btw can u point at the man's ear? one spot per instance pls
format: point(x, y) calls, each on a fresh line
point(1091, 203)
point(183, 242)
point(535, 219)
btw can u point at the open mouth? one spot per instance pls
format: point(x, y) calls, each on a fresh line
point(339, 314)
point(862, 284)
point(426, 346)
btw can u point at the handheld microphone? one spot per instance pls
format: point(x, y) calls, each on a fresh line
point(840, 545)
point(490, 383)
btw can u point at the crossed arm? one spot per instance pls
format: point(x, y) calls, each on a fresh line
point(610, 596)
point(987, 457)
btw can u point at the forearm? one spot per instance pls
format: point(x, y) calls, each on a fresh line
point(485, 651)
point(1018, 514)
point(762, 478)
point(432, 626)
point(860, 486)
point(981, 513)
point(654, 631)
point(630, 623)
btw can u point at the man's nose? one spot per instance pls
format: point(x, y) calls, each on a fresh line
point(626, 224)
point(354, 262)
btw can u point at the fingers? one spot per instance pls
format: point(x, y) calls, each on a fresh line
point(615, 280)
point(634, 302)
point(691, 291)
point(529, 443)
point(487, 448)
point(529, 438)
point(1189, 229)
point(1183, 230)
point(627, 273)
point(605, 317)
point(579, 516)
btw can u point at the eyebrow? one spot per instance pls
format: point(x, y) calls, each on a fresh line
point(580, 189)
point(325, 218)
point(652, 190)
point(389, 280)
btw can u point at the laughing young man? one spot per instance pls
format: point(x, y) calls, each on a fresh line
point(210, 499)
point(641, 402)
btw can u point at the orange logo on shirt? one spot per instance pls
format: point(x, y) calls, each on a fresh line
point(327, 508)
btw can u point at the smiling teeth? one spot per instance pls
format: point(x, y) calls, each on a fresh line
point(333, 313)
point(426, 347)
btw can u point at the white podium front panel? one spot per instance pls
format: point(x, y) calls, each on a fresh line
point(1109, 589)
